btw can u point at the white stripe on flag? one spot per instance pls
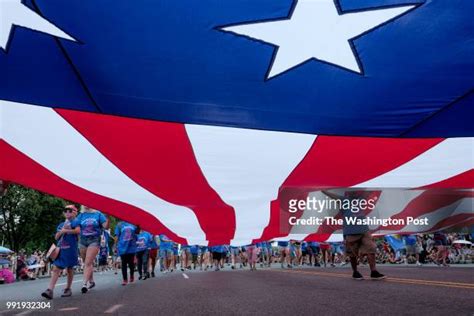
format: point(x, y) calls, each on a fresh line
point(246, 168)
point(449, 158)
point(43, 135)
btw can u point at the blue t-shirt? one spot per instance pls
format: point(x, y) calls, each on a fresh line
point(68, 243)
point(410, 240)
point(348, 228)
point(165, 243)
point(194, 249)
point(175, 249)
point(127, 239)
point(91, 223)
point(153, 244)
point(143, 241)
point(314, 244)
point(218, 249)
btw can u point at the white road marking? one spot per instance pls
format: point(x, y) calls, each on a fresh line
point(28, 311)
point(185, 276)
point(68, 309)
point(113, 308)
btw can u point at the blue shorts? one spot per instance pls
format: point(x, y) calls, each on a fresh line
point(89, 241)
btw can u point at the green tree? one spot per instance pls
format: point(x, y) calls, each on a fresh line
point(28, 218)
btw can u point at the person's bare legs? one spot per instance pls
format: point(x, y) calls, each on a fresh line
point(90, 254)
point(54, 277)
point(70, 277)
point(371, 259)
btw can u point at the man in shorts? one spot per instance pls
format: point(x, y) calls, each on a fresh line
point(217, 256)
point(358, 239)
point(166, 253)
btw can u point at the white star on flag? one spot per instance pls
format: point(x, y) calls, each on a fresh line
point(13, 12)
point(315, 29)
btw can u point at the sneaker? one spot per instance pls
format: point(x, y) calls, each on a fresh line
point(357, 276)
point(375, 275)
point(140, 277)
point(91, 285)
point(233, 267)
point(47, 294)
point(418, 264)
point(317, 264)
point(153, 274)
point(66, 293)
point(124, 282)
point(84, 289)
point(132, 279)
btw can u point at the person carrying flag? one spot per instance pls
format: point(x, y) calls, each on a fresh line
point(143, 243)
point(67, 236)
point(126, 240)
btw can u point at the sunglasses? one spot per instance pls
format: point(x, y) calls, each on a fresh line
point(68, 210)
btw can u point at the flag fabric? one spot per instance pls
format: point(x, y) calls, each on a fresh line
point(396, 211)
point(188, 117)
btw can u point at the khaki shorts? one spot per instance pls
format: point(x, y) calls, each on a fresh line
point(359, 244)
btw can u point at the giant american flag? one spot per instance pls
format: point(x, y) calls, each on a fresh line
point(188, 117)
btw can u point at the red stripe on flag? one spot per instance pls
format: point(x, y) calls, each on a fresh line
point(279, 225)
point(335, 161)
point(18, 168)
point(159, 157)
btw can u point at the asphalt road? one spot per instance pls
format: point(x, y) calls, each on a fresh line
point(308, 291)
